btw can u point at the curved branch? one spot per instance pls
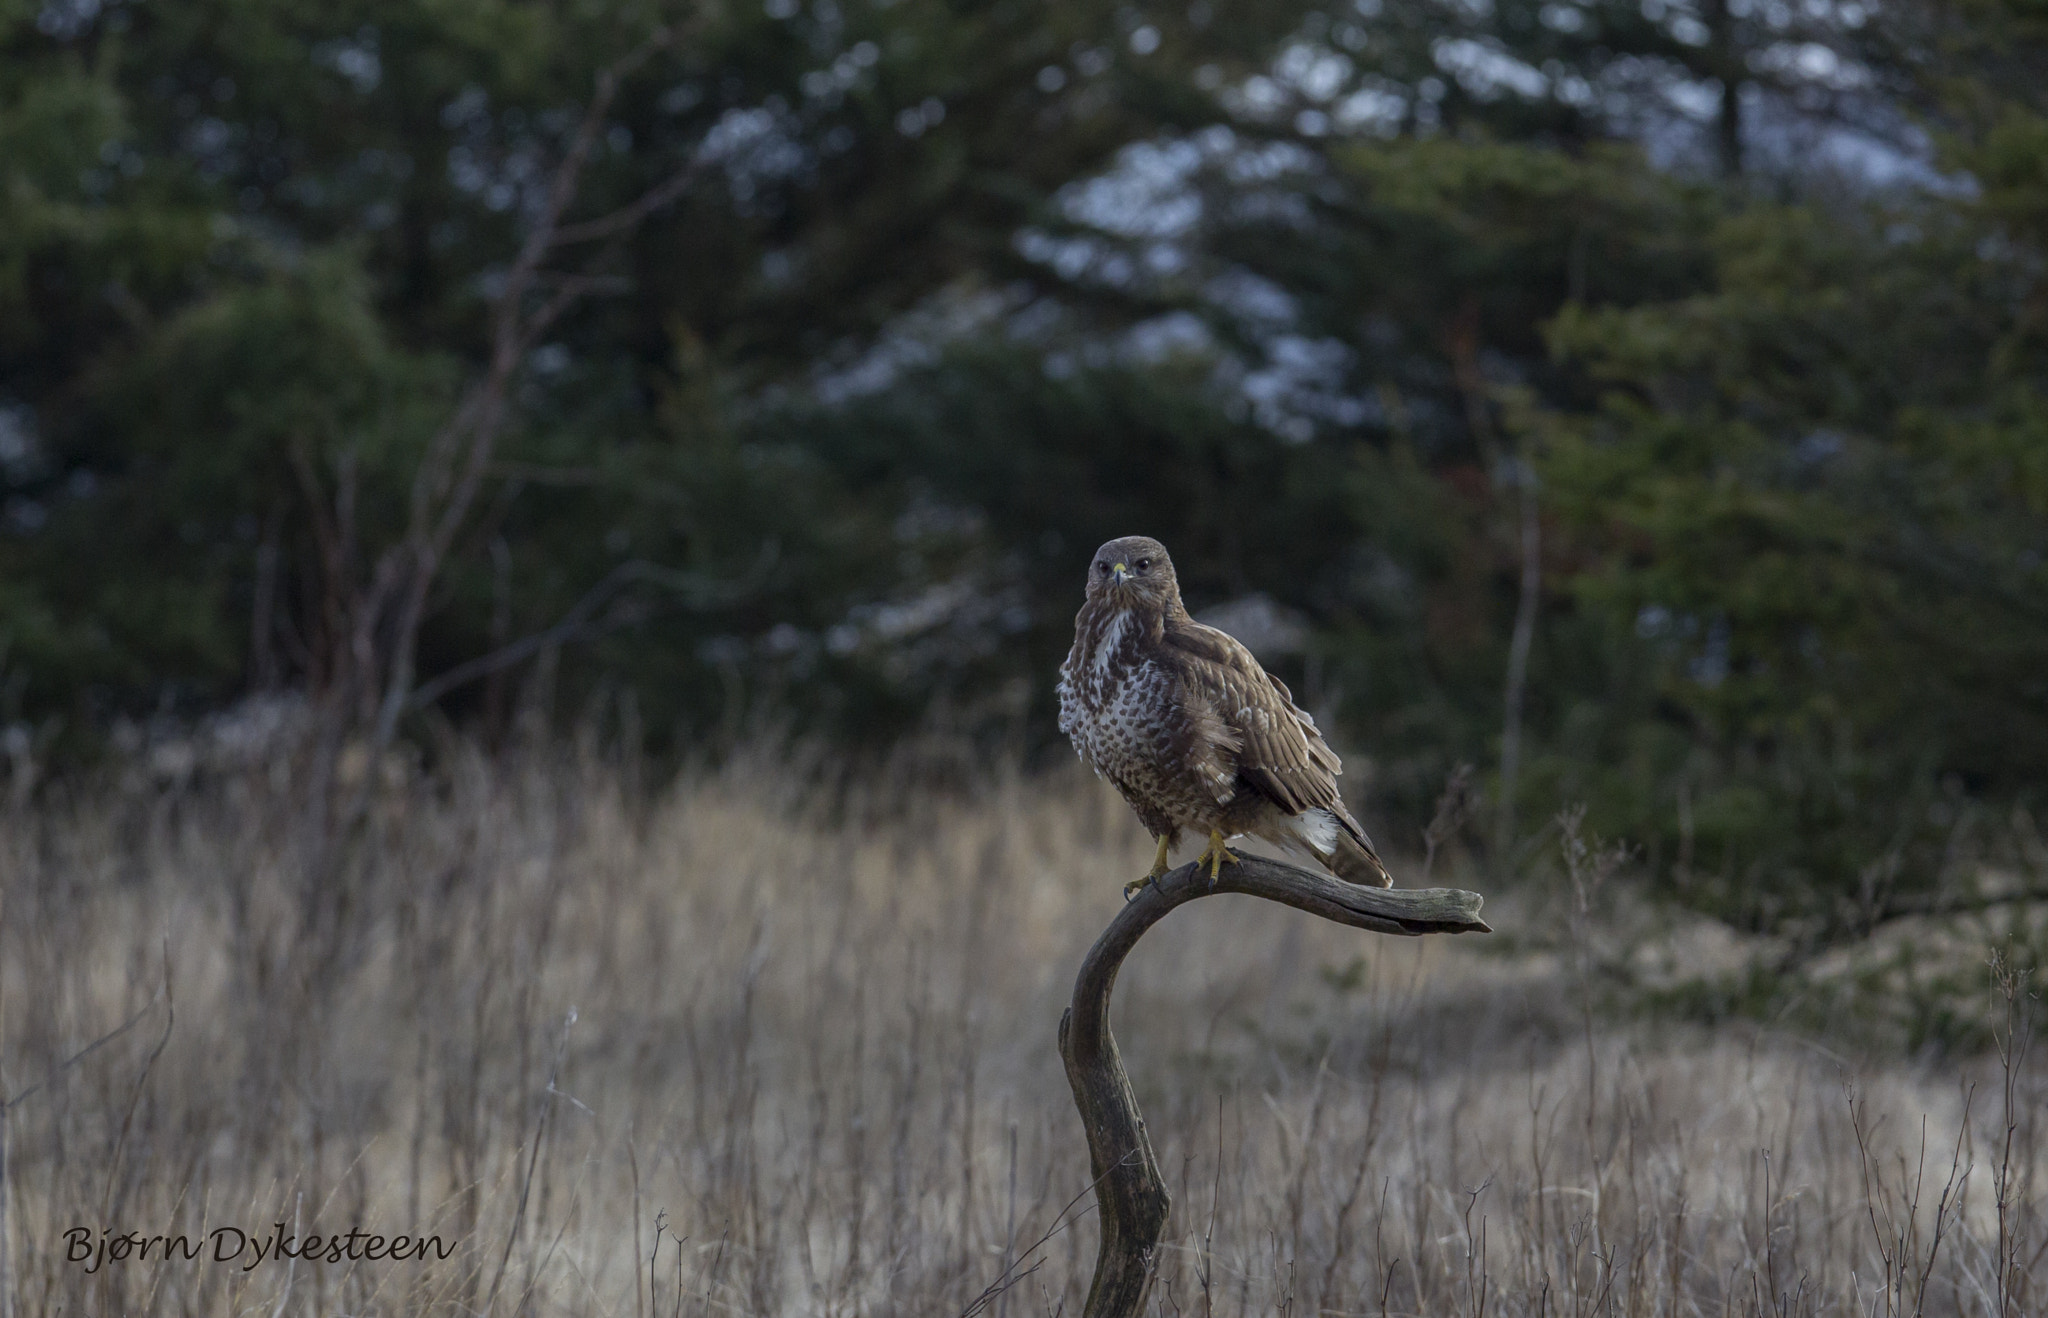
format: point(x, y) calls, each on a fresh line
point(1130, 1192)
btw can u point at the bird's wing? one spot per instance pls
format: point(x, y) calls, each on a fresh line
point(1280, 751)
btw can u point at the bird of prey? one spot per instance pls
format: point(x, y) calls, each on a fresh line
point(1193, 732)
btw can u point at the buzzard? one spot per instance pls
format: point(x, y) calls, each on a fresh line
point(1193, 732)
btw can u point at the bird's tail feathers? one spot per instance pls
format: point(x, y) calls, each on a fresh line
point(1354, 861)
point(1336, 842)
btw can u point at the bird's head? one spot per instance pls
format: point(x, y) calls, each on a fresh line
point(1133, 572)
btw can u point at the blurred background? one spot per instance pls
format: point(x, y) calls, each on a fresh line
point(1640, 403)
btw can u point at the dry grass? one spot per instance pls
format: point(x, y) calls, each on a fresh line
point(722, 1051)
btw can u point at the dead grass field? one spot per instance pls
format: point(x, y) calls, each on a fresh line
point(723, 1050)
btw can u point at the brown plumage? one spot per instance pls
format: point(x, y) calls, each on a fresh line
point(1193, 732)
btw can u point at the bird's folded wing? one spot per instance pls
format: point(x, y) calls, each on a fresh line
point(1280, 752)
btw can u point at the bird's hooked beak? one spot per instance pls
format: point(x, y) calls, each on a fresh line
point(1121, 573)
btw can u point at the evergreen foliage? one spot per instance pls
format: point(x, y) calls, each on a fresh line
point(945, 294)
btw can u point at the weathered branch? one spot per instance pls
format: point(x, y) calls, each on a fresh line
point(1130, 1192)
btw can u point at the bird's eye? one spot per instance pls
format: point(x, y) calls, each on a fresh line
point(1103, 568)
point(1144, 563)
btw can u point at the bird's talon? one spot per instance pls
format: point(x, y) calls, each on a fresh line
point(1151, 880)
point(1217, 856)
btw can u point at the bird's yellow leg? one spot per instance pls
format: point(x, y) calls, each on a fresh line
point(1158, 868)
point(1218, 856)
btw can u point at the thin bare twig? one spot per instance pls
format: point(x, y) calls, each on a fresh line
point(578, 621)
point(8, 1103)
point(630, 216)
point(1004, 1280)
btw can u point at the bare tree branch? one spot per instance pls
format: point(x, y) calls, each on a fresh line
point(374, 610)
point(630, 216)
point(1132, 1194)
point(578, 621)
point(442, 499)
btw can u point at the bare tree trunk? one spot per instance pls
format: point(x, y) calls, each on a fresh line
point(1518, 659)
point(1464, 352)
point(1130, 1192)
point(1728, 65)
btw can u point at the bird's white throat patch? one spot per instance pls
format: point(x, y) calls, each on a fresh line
point(1112, 641)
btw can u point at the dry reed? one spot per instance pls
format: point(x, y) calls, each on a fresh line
point(748, 1047)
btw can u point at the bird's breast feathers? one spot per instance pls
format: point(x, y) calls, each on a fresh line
point(1131, 721)
point(1110, 693)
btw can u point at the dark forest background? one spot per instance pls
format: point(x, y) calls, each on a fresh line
point(1645, 404)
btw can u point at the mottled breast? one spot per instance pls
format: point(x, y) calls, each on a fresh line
point(1123, 712)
